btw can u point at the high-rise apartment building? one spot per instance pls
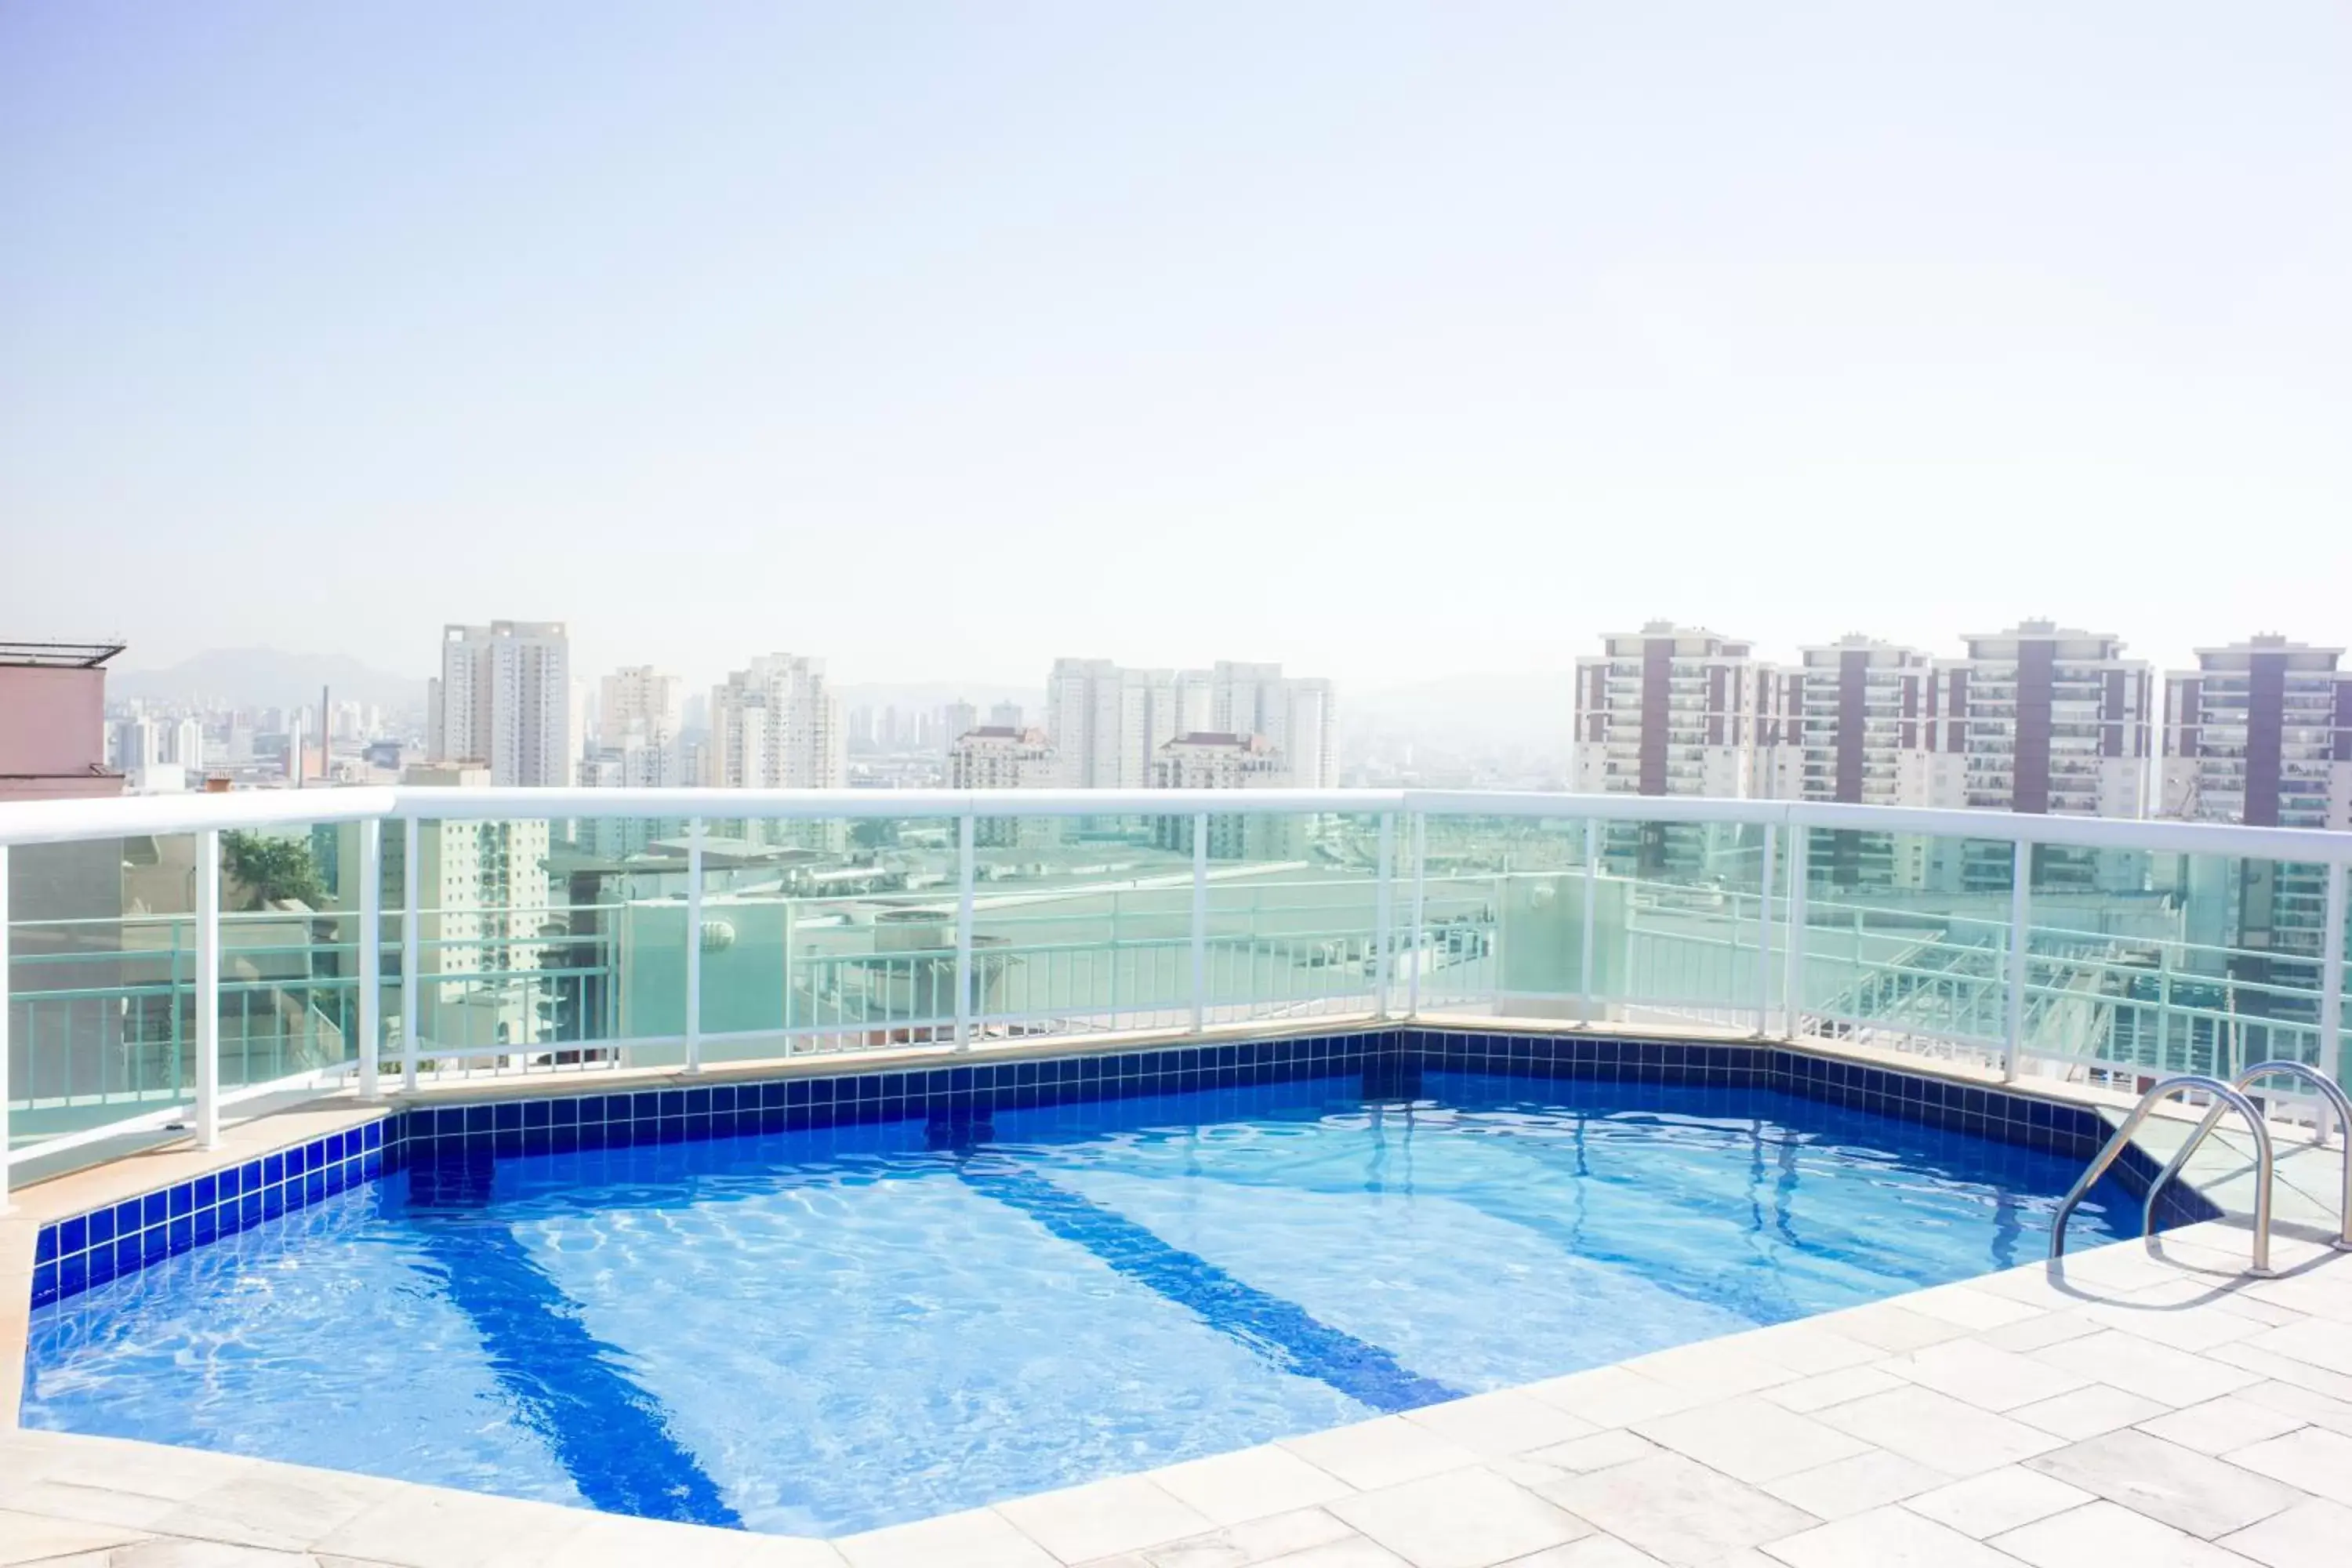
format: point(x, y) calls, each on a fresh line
point(1225, 760)
point(1109, 723)
point(486, 887)
point(778, 725)
point(640, 697)
point(504, 700)
point(997, 756)
point(957, 719)
point(1006, 716)
point(1852, 724)
point(2260, 734)
point(2049, 720)
point(1670, 710)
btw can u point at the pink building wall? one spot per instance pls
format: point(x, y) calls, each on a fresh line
point(53, 734)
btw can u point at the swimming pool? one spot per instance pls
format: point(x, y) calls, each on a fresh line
point(823, 1330)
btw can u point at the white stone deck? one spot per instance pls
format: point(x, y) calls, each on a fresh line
point(2136, 1408)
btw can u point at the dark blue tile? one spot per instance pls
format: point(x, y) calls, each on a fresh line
point(698, 1103)
point(207, 1190)
point(273, 1170)
point(45, 1246)
point(73, 1235)
point(126, 1254)
point(102, 1226)
point(482, 1118)
point(563, 1113)
point(505, 1117)
point(45, 1284)
point(104, 1264)
point(372, 1135)
point(73, 1273)
point(154, 1209)
point(645, 1107)
point(672, 1103)
point(154, 1243)
point(180, 1234)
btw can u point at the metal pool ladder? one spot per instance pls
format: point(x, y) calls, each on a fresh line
point(2225, 1098)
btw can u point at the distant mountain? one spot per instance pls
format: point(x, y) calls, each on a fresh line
point(262, 676)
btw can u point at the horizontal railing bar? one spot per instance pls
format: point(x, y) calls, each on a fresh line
point(43, 822)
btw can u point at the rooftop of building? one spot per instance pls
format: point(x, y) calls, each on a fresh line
point(57, 655)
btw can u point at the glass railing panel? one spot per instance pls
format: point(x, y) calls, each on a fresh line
point(102, 984)
point(1081, 923)
point(520, 951)
point(833, 934)
point(2174, 963)
point(1684, 902)
point(290, 999)
point(1292, 900)
point(1907, 942)
point(1502, 917)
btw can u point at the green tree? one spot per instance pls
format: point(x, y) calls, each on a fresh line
point(268, 870)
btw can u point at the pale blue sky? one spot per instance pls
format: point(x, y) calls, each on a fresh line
point(1382, 339)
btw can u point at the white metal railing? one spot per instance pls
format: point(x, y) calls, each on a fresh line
point(1420, 943)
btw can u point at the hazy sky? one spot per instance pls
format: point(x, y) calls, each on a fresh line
point(1386, 341)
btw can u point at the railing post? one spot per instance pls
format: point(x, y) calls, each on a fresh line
point(694, 830)
point(1199, 921)
point(208, 966)
point(1584, 1010)
point(1793, 982)
point(3, 1029)
point(1420, 913)
point(411, 958)
point(963, 933)
point(1764, 927)
point(2331, 985)
point(2020, 911)
point(370, 1007)
point(1383, 935)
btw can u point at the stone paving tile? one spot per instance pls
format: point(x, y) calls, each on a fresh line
point(2104, 1535)
point(2336, 1415)
point(1502, 1423)
point(1885, 1538)
point(2324, 1345)
point(1987, 1378)
point(1380, 1453)
point(1749, 1440)
point(1998, 1500)
point(2245, 1355)
point(2087, 1411)
point(1126, 1513)
point(1592, 1552)
point(1939, 1431)
point(1462, 1519)
point(1891, 1327)
point(1811, 1394)
point(1255, 1483)
point(2315, 1533)
point(1713, 1369)
point(29, 1538)
point(2191, 1492)
point(1245, 1545)
point(1613, 1395)
point(2218, 1426)
point(2152, 1370)
point(1598, 1452)
point(2040, 1331)
point(980, 1538)
point(1678, 1510)
point(2313, 1459)
point(1847, 1487)
point(1968, 1307)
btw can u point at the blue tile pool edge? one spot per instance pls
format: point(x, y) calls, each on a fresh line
point(85, 1250)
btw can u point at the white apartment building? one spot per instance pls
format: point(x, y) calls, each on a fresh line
point(1109, 723)
point(777, 725)
point(1671, 710)
point(1853, 726)
point(1003, 756)
point(1225, 760)
point(2260, 734)
point(482, 900)
point(997, 756)
point(640, 697)
point(2052, 721)
point(504, 700)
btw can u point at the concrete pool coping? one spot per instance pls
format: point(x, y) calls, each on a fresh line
point(1698, 1434)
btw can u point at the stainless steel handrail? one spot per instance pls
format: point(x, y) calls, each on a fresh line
point(2229, 1098)
point(2340, 1102)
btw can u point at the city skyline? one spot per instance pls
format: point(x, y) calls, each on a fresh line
point(1077, 328)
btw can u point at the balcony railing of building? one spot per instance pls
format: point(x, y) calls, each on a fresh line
point(154, 980)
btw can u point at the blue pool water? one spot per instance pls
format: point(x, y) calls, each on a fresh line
point(821, 1333)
